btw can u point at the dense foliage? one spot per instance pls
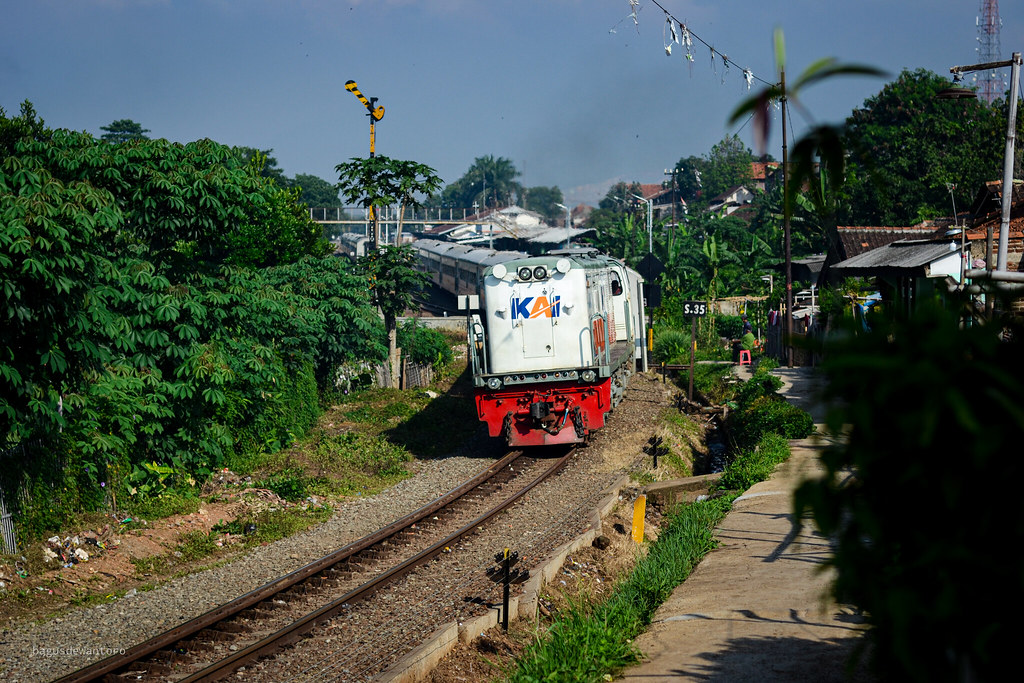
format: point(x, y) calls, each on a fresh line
point(906, 147)
point(425, 345)
point(922, 546)
point(164, 306)
point(489, 183)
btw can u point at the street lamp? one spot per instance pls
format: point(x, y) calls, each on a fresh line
point(568, 223)
point(650, 222)
point(1011, 128)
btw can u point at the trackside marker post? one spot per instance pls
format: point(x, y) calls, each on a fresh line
point(506, 575)
point(639, 510)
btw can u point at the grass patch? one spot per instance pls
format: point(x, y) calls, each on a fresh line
point(195, 545)
point(166, 504)
point(755, 465)
point(154, 565)
point(679, 434)
point(264, 527)
point(591, 643)
point(273, 525)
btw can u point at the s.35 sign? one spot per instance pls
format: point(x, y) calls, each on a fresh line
point(695, 309)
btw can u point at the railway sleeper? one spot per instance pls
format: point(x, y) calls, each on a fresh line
point(130, 675)
point(161, 667)
point(293, 593)
point(194, 645)
point(214, 634)
point(340, 573)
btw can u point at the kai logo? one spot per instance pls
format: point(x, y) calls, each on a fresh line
point(536, 307)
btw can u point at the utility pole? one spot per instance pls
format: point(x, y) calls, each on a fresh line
point(786, 212)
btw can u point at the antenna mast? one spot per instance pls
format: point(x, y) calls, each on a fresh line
point(991, 83)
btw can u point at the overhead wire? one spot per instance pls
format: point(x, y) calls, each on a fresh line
point(686, 31)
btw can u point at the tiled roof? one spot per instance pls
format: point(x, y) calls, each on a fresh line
point(760, 170)
point(652, 190)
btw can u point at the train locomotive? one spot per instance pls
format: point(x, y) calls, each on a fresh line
point(553, 341)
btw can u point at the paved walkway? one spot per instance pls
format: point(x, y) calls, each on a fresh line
point(757, 608)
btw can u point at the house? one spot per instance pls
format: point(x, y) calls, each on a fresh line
point(908, 270)
point(763, 174)
point(986, 213)
point(666, 203)
point(731, 200)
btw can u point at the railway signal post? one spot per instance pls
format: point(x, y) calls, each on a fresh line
point(375, 114)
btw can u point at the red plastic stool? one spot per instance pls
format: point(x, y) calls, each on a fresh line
point(744, 357)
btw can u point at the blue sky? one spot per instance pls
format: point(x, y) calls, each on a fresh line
point(571, 91)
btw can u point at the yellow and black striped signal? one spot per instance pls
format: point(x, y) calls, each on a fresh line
point(376, 112)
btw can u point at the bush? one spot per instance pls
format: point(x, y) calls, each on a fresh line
point(671, 346)
point(755, 465)
point(921, 546)
point(290, 486)
point(729, 326)
point(768, 414)
point(763, 383)
point(424, 345)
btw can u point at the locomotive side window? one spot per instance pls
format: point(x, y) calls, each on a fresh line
point(616, 288)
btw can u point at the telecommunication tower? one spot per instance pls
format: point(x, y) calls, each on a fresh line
point(991, 82)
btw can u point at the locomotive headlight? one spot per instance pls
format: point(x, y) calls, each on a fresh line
point(499, 271)
point(494, 383)
point(540, 272)
point(563, 265)
point(525, 273)
point(588, 375)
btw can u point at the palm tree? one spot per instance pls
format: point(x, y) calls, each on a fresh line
point(492, 179)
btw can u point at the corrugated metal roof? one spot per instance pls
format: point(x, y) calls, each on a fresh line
point(907, 255)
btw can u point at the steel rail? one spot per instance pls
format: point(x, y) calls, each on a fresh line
point(163, 641)
point(293, 631)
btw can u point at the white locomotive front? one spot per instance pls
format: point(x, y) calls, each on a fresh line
point(554, 344)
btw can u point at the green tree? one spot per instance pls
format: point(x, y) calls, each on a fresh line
point(625, 238)
point(821, 148)
point(688, 175)
point(376, 182)
point(394, 278)
point(620, 196)
point(728, 166)
point(545, 200)
point(277, 230)
point(124, 130)
point(316, 192)
point(112, 263)
point(264, 163)
point(51, 259)
point(906, 146)
point(492, 182)
point(380, 181)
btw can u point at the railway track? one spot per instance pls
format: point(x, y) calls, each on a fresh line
point(260, 623)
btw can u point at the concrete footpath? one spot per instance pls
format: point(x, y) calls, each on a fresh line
point(757, 608)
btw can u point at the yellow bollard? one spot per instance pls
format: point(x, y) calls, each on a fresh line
point(639, 509)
